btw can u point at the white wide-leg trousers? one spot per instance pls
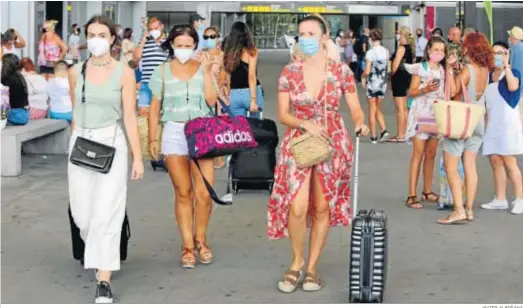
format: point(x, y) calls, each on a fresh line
point(98, 200)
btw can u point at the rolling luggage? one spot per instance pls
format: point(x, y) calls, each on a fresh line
point(368, 249)
point(79, 245)
point(254, 169)
point(159, 164)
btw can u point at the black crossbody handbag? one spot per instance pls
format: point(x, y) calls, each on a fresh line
point(90, 154)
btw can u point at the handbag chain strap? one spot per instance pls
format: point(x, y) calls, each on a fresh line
point(84, 66)
point(325, 92)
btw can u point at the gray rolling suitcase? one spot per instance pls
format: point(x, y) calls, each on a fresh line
point(368, 249)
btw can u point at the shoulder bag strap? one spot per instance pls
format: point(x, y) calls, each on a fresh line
point(84, 67)
point(163, 81)
point(325, 92)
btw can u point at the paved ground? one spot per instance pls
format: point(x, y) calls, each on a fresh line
point(479, 263)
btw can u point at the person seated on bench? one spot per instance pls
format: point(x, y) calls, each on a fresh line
point(36, 89)
point(18, 99)
point(60, 104)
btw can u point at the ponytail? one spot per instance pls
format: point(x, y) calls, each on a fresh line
point(412, 42)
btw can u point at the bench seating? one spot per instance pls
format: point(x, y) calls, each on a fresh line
point(45, 137)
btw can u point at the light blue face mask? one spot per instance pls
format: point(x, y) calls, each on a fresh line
point(498, 60)
point(209, 43)
point(201, 28)
point(309, 45)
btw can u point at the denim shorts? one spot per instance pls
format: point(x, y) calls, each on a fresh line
point(18, 116)
point(144, 95)
point(241, 101)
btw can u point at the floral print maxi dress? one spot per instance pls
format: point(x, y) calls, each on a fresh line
point(334, 173)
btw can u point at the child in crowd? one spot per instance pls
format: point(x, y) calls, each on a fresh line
point(60, 104)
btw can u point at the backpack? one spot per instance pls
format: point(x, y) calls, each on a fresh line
point(358, 47)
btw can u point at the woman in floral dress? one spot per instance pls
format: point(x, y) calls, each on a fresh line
point(427, 86)
point(323, 191)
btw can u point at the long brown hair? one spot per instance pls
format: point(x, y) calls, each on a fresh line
point(239, 39)
point(433, 40)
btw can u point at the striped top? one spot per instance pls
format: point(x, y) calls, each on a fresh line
point(182, 101)
point(152, 56)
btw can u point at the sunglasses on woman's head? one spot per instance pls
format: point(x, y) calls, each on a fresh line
point(182, 28)
point(212, 36)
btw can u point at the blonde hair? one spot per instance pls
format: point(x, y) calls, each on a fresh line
point(213, 28)
point(407, 33)
point(152, 20)
point(51, 23)
point(298, 54)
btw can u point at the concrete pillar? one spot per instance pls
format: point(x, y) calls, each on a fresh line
point(65, 23)
point(4, 17)
point(93, 8)
point(139, 10)
point(20, 15)
point(470, 14)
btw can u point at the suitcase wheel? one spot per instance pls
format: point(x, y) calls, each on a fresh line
point(235, 188)
point(156, 165)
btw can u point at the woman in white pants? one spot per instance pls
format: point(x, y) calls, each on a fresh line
point(104, 98)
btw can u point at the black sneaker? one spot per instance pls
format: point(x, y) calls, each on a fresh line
point(384, 135)
point(374, 140)
point(103, 293)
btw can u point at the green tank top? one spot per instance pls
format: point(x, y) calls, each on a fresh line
point(103, 102)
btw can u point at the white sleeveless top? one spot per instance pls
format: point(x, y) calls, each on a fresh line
point(59, 96)
point(37, 91)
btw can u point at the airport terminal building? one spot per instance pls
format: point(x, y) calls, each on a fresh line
point(269, 21)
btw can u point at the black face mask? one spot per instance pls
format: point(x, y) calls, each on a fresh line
point(418, 34)
point(44, 30)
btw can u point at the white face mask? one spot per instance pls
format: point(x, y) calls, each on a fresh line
point(156, 33)
point(98, 46)
point(183, 55)
point(398, 37)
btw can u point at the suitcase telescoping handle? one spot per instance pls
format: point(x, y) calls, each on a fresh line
point(260, 113)
point(356, 180)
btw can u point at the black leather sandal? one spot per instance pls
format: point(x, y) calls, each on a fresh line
point(426, 197)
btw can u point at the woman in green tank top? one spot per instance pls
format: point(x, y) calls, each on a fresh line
point(184, 89)
point(98, 201)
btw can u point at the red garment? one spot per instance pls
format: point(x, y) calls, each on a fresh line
point(334, 173)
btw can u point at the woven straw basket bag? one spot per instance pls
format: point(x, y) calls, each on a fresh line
point(457, 120)
point(306, 149)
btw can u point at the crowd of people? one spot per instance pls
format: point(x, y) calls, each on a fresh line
point(420, 71)
point(189, 71)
